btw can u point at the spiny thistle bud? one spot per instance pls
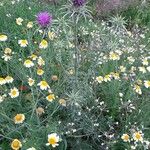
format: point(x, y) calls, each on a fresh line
point(78, 3)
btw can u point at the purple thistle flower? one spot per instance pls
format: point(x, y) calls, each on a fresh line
point(44, 19)
point(78, 3)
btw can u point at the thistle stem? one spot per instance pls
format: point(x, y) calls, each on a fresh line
point(76, 52)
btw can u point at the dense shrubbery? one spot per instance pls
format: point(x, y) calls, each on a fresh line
point(68, 82)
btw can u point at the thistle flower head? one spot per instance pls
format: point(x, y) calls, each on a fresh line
point(78, 3)
point(44, 19)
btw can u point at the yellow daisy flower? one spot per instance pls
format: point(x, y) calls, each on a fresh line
point(28, 63)
point(99, 79)
point(23, 43)
point(138, 136)
point(2, 81)
point(130, 59)
point(115, 75)
point(40, 72)
point(6, 57)
point(139, 82)
point(129, 33)
point(145, 62)
point(3, 38)
point(33, 57)
point(40, 111)
point(51, 35)
point(43, 85)
point(53, 140)
point(122, 69)
point(133, 69)
point(147, 84)
point(71, 72)
point(137, 89)
point(30, 24)
point(8, 51)
point(71, 45)
point(63, 102)
point(41, 62)
point(107, 78)
point(19, 118)
point(14, 93)
point(114, 56)
point(2, 97)
point(19, 21)
point(142, 69)
point(54, 77)
point(43, 44)
point(16, 144)
point(50, 97)
point(31, 81)
point(9, 79)
point(125, 137)
point(148, 68)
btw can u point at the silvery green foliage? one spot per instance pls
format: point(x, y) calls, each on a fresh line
point(76, 12)
point(95, 116)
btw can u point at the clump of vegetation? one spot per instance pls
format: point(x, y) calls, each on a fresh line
point(70, 82)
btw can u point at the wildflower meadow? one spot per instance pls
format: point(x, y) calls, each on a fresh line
point(74, 75)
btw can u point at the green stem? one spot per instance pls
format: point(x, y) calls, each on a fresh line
point(76, 53)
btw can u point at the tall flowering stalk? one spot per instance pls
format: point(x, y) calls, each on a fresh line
point(76, 10)
point(80, 11)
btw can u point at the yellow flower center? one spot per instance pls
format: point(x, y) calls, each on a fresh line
point(18, 117)
point(31, 81)
point(3, 36)
point(33, 56)
point(114, 56)
point(100, 78)
point(8, 78)
point(107, 77)
point(24, 42)
point(40, 71)
point(1, 79)
point(51, 97)
point(16, 144)
point(138, 136)
point(41, 62)
point(52, 140)
point(137, 87)
point(126, 137)
point(30, 24)
point(7, 50)
point(51, 35)
point(13, 92)
point(44, 83)
point(62, 102)
point(44, 43)
point(148, 83)
point(28, 61)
